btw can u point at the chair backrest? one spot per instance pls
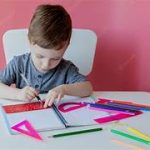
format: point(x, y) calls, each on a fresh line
point(81, 50)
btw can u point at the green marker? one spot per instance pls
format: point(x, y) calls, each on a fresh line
point(76, 132)
point(130, 136)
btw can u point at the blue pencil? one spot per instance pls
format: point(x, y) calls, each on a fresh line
point(128, 106)
point(105, 106)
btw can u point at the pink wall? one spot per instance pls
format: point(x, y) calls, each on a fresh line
point(123, 30)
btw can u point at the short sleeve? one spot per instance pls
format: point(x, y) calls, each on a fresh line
point(8, 75)
point(74, 76)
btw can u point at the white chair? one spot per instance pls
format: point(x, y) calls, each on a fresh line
point(81, 50)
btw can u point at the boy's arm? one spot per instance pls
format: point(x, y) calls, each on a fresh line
point(8, 92)
point(80, 89)
point(25, 94)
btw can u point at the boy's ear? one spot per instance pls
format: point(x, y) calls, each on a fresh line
point(32, 43)
point(67, 43)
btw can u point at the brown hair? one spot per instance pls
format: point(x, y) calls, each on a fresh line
point(50, 27)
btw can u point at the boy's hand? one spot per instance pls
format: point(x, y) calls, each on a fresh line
point(27, 93)
point(56, 93)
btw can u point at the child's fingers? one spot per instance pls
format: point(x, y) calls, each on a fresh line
point(49, 100)
point(34, 91)
point(46, 104)
point(60, 96)
point(29, 97)
point(31, 93)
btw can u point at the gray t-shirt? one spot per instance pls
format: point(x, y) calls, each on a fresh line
point(65, 73)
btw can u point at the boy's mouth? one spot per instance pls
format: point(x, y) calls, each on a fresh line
point(44, 70)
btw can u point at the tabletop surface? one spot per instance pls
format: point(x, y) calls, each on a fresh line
point(104, 140)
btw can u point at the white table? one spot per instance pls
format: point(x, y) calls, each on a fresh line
point(94, 141)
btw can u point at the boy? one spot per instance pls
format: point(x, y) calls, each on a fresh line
point(44, 67)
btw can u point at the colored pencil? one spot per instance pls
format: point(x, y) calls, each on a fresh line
point(127, 145)
point(130, 136)
point(76, 132)
point(128, 106)
point(138, 133)
point(118, 109)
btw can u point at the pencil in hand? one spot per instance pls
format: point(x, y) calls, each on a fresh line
point(28, 84)
point(39, 99)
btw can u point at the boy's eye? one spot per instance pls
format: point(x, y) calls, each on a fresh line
point(40, 56)
point(56, 59)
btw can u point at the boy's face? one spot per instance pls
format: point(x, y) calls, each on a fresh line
point(46, 59)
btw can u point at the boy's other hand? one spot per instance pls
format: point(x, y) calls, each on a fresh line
point(56, 93)
point(27, 94)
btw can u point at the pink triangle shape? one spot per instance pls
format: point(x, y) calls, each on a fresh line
point(31, 131)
